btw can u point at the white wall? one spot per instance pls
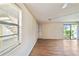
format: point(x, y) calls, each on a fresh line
point(29, 34)
point(52, 30)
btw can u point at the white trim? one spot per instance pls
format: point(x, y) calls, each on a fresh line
point(20, 26)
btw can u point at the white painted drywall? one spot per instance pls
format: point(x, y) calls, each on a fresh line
point(29, 34)
point(52, 30)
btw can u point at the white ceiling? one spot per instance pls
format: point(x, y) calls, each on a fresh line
point(43, 11)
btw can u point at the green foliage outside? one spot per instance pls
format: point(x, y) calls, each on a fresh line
point(68, 33)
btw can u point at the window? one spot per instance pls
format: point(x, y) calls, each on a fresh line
point(10, 27)
point(70, 31)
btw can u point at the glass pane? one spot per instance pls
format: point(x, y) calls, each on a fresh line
point(8, 36)
point(9, 27)
point(7, 42)
point(74, 31)
point(67, 31)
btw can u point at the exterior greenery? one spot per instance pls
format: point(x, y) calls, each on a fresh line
point(68, 33)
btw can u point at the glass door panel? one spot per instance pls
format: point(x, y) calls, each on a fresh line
point(67, 31)
point(74, 31)
point(70, 31)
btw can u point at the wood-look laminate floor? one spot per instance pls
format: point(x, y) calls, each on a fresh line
point(56, 48)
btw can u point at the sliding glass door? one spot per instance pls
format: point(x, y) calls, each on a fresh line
point(70, 31)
